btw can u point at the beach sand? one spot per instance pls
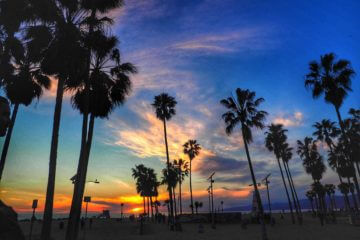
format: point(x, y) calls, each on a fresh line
point(103, 229)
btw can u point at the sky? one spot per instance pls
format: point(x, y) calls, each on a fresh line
point(198, 51)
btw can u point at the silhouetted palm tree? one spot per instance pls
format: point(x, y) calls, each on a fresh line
point(275, 139)
point(344, 189)
point(313, 164)
point(330, 191)
point(24, 83)
point(192, 149)
point(332, 79)
point(243, 111)
point(170, 177)
point(109, 87)
point(183, 172)
point(139, 174)
point(311, 195)
point(164, 106)
point(197, 206)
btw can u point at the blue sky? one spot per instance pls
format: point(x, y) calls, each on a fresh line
point(198, 51)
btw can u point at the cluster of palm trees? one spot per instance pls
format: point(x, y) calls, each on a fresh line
point(70, 42)
point(331, 78)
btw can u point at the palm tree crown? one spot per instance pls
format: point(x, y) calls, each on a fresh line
point(243, 110)
point(331, 78)
point(326, 130)
point(192, 149)
point(164, 106)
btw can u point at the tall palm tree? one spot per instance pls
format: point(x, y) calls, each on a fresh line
point(330, 190)
point(332, 79)
point(286, 156)
point(313, 164)
point(139, 174)
point(275, 139)
point(310, 195)
point(192, 149)
point(164, 106)
point(243, 111)
point(345, 189)
point(24, 83)
point(109, 87)
point(170, 177)
point(197, 206)
point(183, 172)
point(65, 58)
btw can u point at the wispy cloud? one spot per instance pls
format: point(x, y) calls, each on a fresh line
point(226, 42)
point(294, 120)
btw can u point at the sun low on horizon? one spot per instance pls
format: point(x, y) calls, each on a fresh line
point(198, 52)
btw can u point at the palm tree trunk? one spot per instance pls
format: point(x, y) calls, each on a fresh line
point(7, 139)
point(191, 195)
point(286, 190)
point(312, 206)
point(293, 186)
point(152, 205)
point(353, 197)
point(357, 167)
point(346, 199)
point(261, 210)
point(331, 203)
point(75, 211)
point(180, 201)
point(292, 192)
point(175, 210)
point(148, 207)
point(168, 169)
point(48, 211)
point(144, 205)
point(334, 202)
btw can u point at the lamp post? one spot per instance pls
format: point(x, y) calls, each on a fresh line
point(34, 206)
point(266, 182)
point(212, 200)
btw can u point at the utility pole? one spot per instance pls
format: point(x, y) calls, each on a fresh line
point(212, 200)
point(266, 182)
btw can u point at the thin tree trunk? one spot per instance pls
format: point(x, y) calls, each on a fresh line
point(7, 139)
point(48, 211)
point(346, 199)
point(175, 209)
point(286, 190)
point(191, 196)
point(353, 197)
point(180, 201)
point(75, 211)
point(334, 202)
point(293, 186)
point(356, 185)
point(152, 211)
point(261, 210)
point(148, 207)
point(292, 192)
point(144, 206)
point(312, 206)
point(168, 169)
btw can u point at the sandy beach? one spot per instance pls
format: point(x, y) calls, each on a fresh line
point(103, 229)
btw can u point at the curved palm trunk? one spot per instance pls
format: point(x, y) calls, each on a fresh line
point(48, 211)
point(292, 192)
point(257, 194)
point(286, 190)
point(168, 169)
point(180, 201)
point(293, 186)
point(7, 139)
point(75, 211)
point(353, 197)
point(191, 195)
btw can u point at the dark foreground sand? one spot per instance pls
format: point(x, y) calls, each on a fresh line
point(283, 230)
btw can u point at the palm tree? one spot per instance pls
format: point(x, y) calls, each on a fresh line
point(222, 206)
point(139, 174)
point(170, 178)
point(286, 156)
point(330, 190)
point(311, 195)
point(192, 149)
point(243, 111)
point(275, 139)
point(23, 84)
point(197, 206)
point(313, 164)
point(164, 106)
point(183, 172)
point(332, 79)
point(109, 87)
point(344, 188)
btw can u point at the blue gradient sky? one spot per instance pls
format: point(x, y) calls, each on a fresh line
point(198, 51)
